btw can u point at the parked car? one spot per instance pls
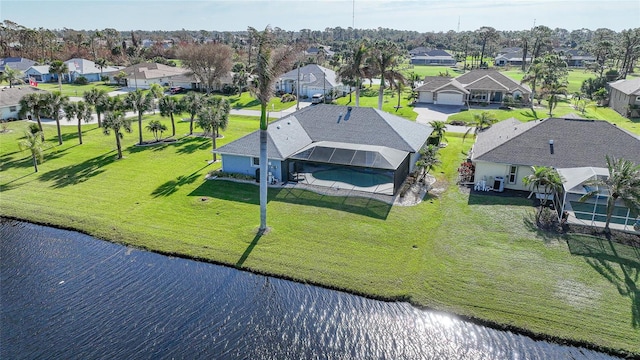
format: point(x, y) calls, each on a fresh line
point(176, 90)
point(317, 98)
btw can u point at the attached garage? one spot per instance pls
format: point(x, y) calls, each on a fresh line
point(449, 99)
point(425, 97)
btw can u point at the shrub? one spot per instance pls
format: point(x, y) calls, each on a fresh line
point(287, 98)
point(33, 128)
point(81, 80)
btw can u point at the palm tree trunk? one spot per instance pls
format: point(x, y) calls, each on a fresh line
point(358, 92)
point(213, 143)
point(173, 125)
point(79, 132)
point(381, 92)
point(611, 203)
point(118, 144)
point(140, 126)
point(98, 116)
point(263, 168)
point(191, 126)
point(59, 132)
point(60, 82)
point(35, 163)
point(40, 126)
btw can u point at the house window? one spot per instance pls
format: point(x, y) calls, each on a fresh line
point(513, 173)
point(13, 108)
point(255, 161)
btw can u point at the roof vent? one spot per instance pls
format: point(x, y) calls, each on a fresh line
point(278, 127)
point(551, 146)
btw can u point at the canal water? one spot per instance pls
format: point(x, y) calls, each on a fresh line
point(65, 295)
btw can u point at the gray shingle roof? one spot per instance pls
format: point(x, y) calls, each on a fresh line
point(12, 96)
point(629, 87)
point(313, 75)
point(84, 66)
point(16, 63)
point(433, 82)
point(576, 143)
point(317, 123)
point(504, 80)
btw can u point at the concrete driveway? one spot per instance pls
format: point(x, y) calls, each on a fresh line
point(431, 112)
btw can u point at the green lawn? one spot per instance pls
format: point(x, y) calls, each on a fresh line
point(564, 107)
point(474, 255)
point(248, 102)
point(77, 90)
point(369, 98)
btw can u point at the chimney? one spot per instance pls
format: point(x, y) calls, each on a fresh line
point(551, 146)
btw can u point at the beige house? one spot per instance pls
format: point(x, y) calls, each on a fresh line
point(624, 97)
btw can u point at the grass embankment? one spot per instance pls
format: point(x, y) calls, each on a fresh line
point(475, 255)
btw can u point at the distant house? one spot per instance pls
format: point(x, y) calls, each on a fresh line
point(504, 154)
point(318, 50)
point(40, 73)
point(312, 79)
point(476, 86)
point(432, 57)
point(87, 68)
point(16, 63)
point(575, 58)
point(10, 100)
point(511, 58)
point(338, 142)
point(624, 97)
point(142, 75)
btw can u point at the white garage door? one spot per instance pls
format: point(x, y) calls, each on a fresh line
point(449, 99)
point(426, 97)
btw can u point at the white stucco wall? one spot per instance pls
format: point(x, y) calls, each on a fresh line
point(488, 171)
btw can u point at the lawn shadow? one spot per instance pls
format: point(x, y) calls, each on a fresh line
point(10, 185)
point(249, 249)
point(172, 186)
point(249, 193)
point(530, 223)
point(619, 264)
point(7, 161)
point(531, 114)
point(78, 173)
point(234, 103)
point(192, 144)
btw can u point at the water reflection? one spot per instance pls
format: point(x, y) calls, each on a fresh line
point(67, 295)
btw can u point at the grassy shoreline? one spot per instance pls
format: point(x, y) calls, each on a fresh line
point(472, 255)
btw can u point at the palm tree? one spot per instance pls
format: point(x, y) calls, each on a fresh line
point(439, 129)
point(192, 103)
point(271, 62)
point(55, 103)
point(383, 56)
point(623, 183)
point(156, 127)
point(116, 121)
point(11, 75)
point(169, 107)
point(213, 118)
point(396, 79)
point(354, 69)
point(101, 63)
point(546, 178)
point(139, 102)
point(81, 111)
point(532, 76)
point(35, 104)
point(553, 90)
point(34, 143)
point(428, 159)
point(480, 122)
point(157, 92)
point(96, 98)
point(58, 67)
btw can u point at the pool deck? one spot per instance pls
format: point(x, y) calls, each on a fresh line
point(308, 179)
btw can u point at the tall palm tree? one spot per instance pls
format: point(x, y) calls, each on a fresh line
point(532, 76)
point(115, 121)
point(622, 184)
point(101, 63)
point(192, 103)
point(97, 98)
point(354, 69)
point(169, 106)
point(33, 143)
point(55, 103)
point(213, 118)
point(58, 67)
point(384, 56)
point(11, 75)
point(139, 102)
point(271, 62)
point(552, 91)
point(35, 104)
point(81, 111)
point(546, 178)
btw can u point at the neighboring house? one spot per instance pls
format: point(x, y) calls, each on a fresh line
point(141, 76)
point(87, 68)
point(365, 142)
point(433, 57)
point(10, 100)
point(476, 86)
point(504, 153)
point(16, 63)
point(314, 79)
point(420, 50)
point(318, 50)
point(624, 97)
point(511, 58)
point(40, 73)
point(575, 58)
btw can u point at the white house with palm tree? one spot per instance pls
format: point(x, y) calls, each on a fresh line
point(505, 153)
point(87, 68)
point(312, 79)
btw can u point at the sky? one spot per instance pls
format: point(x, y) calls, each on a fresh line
point(294, 15)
